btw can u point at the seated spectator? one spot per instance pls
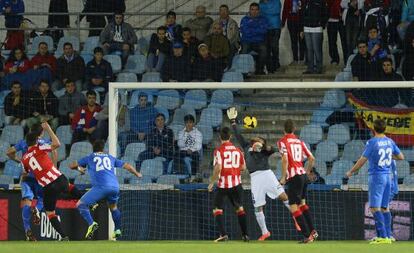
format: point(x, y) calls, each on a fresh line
point(69, 66)
point(159, 48)
point(43, 106)
point(69, 103)
point(253, 29)
point(98, 73)
point(119, 36)
point(190, 147)
point(160, 142)
point(15, 67)
point(363, 69)
point(174, 30)
point(44, 61)
point(218, 44)
point(375, 45)
point(177, 67)
point(190, 44)
point(141, 122)
point(200, 24)
point(15, 106)
point(408, 64)
point(388, 73)
point(205, 68)
point(84, 123)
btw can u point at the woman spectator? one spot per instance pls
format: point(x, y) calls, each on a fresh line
point(15, 68)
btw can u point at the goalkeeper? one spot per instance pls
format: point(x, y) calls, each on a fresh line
point(263, 180)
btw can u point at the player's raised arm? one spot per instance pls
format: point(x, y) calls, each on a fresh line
point(232, 115)
point(131, 169)
point(55, 140)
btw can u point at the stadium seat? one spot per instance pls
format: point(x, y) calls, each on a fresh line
point(326, 151)
point(83, 179)
point(4, 145)
point(353, 150)
point(6, 179)
point(134, 96)
point(3, 95)
point(403, 168)
point(341, 167)
point(321, 168)
point(71, 39)
point(339, 134)
point(36, 41)
point(409, 155)
point(169, 99)
point(132, 150)
point(232, 76)
point(61, 151)
point(64, 133)
point(348, 67)
point(138, 181)
point(143, 45)
point(207, 133)
point(196, 99)
point(115, 62)
point(311, 134)
point(87, 58)
point(333, 180)
point(222, 99)
point(180, 113)
point(13, 169)
point(90, 44)
point(152, 168)
point(176, 128)
point(79, 150)
point(243, 63)
point(126, 78)
point(334, 99)
point(164, 111)
point(409, 180)
point(344, 76)
point(118, 149)
point(320, 116)
point(151, 77)
point(211, 117)
point(123, 172)
point(168, 179)
point(135, 64)
point(69, 173)
point(12, 134)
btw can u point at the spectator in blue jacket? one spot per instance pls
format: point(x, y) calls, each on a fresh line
point(253, 28)
point(407, 17)
point(98, 72)
point(9, 8)
point(270, 9)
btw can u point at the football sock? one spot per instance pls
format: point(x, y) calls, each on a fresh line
point(308, 218)
point(241, 215)
point(302, 223)
point(218, 215)
point(26, 215)
point(116, 217)
point(85, 213)
point(260, 217)
point(380, 224)
point(74, 192)
point(56, 224)
point(387, 221)
point(286, 203)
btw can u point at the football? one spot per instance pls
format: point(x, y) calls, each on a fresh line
point(250, 122)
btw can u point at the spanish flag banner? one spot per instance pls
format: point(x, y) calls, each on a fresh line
point(400, 122)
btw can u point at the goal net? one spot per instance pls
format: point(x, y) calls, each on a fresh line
point(171, 201)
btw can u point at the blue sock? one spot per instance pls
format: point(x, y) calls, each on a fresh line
point(86, 214)
point(387, 221)
point(26, 215)
point(39, 204)
point(380, 224)
point(116, 217)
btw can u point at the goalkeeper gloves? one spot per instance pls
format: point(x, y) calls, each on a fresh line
point(232, 114)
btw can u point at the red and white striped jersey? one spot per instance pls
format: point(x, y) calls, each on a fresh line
point(37, 160)
point(231, 160)
point(296, 152)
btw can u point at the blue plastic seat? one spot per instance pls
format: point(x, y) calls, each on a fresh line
point(127, 78)
point(222, 99)
point(180, 113)
point(69, 173)
point(196, 99)
point(168, 179)
point(79, 150)
point(334, 99)
point(64, 133)
point(320, 116)
point(74, 40)
point(135, 96)
point(232, 76)
point(13, 169)
point(339, 134)
point(4, 146)
point(207, 133)
point(133, 150)
point(135, 64)
point(152, 168)
point(169, 99)
point(6, 179)
point(326, 151)
point(90, 44)
point(243, 63)
point(311, 134)
point(211, 117)
point(353, 150)
point(151, 77)
point(12, 134)
point(164, 111)
point(115, 61)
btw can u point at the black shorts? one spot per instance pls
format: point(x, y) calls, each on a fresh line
point(234, 194)
point(297, 187)
point(52, 191)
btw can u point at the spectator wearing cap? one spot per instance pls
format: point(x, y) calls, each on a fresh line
point(190, 147)
point(174, 30)
point(69, 103)
point(69, 66)
point(177, 67)
point(160, 142)
point(205, 67)
point(159, 48)
point(190, 44)
point(98, 72)
point(218, 44)
point(200, 24)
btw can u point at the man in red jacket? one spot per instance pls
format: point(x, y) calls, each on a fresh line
point(43, 59)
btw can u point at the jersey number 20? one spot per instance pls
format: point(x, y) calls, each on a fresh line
point(101, 164)
point(231, 159)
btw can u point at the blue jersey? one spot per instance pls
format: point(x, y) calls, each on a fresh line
point(379, 152)
point(101, 168)
point(394, 182)
point(21, 146)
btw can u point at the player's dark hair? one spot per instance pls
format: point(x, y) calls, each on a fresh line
point(98, 146)
point(31, 138)
point(289, 126)
point(225, 134)
point(37, 128)
point(380, 126)
point(189, 117)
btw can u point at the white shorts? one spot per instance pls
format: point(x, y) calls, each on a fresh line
point(264, 182)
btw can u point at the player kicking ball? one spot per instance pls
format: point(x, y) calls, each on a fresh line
point(228, 164)
point(380, 152)
point(101, 168)
point(263, 180)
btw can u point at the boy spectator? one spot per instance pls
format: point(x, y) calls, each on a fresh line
point(205, 67)
point(69, 103)
point(159, 48)
point(69, 66)
point(200, 24)
point(177, 68)
point(174, 30)
point(98, 72)
point(218, 44)
point(376, 46)
point(15, 106)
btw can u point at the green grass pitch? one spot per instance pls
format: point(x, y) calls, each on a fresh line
point(203, 247)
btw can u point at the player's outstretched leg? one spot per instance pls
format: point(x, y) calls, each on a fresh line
point(241, 216)
point(55, 223)
point(218, 215)
point(261, 220)
point(26, 216)
point(116, 217)
point(86, 214)
point(308, 218)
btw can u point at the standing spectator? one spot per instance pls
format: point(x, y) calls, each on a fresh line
point(141, 120)
point(253, 28)
point(292, 15)
point(388, 73)
point(15, 68)
point(336, 26)
point(96, 22)
point(363, 69)
point(190, 44)
point(69, 66)
point(270, 9)
point(190, 146)
point(15, 106)
point(159, 48)
point(12, 9)
point(205, 67)
point(43, 107)
point(160, 142)
point(119, 36)
point(98, 72)
point(113, 6)
point(177, 67)
point(351, 17)
point(84, 123)
point(200, 24)
point(407, 17)
point(218, 44)
point(44, 62)
point(408, 64)
point(315, 16)
point(174, 30)
point(69, 103)
point(58, 21)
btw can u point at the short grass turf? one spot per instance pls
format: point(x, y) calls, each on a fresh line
point(203, 246)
